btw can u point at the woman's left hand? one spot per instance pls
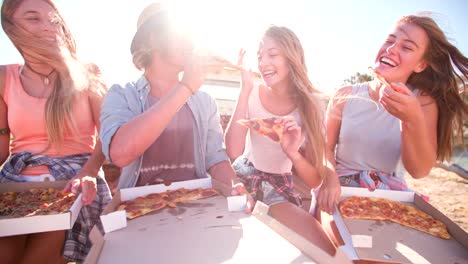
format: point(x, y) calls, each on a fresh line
point(239, 189)
point(84, 184)
point(292, 136)
point(400, 102)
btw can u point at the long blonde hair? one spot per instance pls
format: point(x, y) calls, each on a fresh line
point(308, 102)
point(74, 77)
point(439, 80)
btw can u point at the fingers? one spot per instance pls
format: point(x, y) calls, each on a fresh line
point(75, 186)
point(67, 187)
point(401, 88)
point(89, 189)
point(250, 204)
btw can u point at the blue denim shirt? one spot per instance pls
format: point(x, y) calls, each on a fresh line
point(123, 103)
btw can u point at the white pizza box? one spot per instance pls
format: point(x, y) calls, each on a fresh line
point(388, 242)
point(201, 231)
point(113, 220)
point(39, 223)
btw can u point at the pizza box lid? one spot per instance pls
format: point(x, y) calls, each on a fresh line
point(203, 231)
point(39, 223)
point(385, 241)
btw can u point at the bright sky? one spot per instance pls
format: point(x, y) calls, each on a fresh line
point(340, 38)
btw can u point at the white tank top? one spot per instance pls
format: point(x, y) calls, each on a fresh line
point(370, 137)
point(265, 154)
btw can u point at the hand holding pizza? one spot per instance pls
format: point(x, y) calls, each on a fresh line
point(402, 104)
point(84, 184)
point(292, 138)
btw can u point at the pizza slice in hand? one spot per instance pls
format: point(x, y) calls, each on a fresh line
point(269, 127)
point(382, 79)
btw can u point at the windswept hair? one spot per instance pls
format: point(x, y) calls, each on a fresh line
point(74, 77)
point(308, 98)
point(439, 80)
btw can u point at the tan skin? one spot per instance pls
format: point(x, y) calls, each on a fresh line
point(404, 50)
point(34, 16)
point(164, 81)
point(276, 98)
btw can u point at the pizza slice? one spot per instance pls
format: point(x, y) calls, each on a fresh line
point(143, 205)
point(398, 212)
point(269, 127)
point(197, 194)
point(382, 79)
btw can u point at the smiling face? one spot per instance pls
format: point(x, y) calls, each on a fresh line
point(402, 53)
point(272, 63)
point(38, 18)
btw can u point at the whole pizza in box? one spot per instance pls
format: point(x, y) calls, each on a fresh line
point(33, 202)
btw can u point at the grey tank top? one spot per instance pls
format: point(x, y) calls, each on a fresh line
point(370, 137)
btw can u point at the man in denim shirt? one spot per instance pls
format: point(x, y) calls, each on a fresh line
point(158, 128)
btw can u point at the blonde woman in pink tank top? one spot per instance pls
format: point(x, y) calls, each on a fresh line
point(50, 106)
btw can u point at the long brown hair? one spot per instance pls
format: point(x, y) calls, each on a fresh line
point(439, 80)
point(74, 77)
point(309, 105)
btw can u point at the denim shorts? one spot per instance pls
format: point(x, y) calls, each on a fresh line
point(268, 194)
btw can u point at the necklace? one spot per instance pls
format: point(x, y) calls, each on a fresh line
point(45, 78)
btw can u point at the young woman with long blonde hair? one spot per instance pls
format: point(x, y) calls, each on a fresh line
point(287, 95)
point(50, 105)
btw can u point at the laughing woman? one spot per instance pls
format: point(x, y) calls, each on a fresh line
point(411, 123)
point(50, 105)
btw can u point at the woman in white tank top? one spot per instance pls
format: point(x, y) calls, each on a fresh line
point(288, 95)
point(374, 128)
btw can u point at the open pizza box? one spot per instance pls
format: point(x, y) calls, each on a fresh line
point(201, 231)
point(375, 241)
point(39, 223)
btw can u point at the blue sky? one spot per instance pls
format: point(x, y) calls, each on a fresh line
point(340, 38)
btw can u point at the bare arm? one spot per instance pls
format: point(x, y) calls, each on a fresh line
point(236, 133)
point(418, 117)
point(305, 170)
point(419, 139)
point(224, 173)
point(94, 163)
point(330, 190)
point(4, 138)
point(134, 137)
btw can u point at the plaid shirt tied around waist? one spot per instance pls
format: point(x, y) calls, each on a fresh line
point(77, 242)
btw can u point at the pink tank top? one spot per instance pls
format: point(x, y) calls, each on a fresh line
point(26, 120)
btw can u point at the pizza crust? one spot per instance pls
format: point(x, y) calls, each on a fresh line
point(156, 201)
point(269, 127)
point(382, 209)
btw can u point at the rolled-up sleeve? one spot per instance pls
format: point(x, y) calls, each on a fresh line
point(116, 111)
point(215, 149)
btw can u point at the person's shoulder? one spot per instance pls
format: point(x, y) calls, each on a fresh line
point(342, 92)
point(124, 87)
point(425, 99)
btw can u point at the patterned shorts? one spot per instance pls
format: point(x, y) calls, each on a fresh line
point(268, 194)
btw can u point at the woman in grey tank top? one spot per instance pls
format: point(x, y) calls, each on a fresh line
point(373, 128)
